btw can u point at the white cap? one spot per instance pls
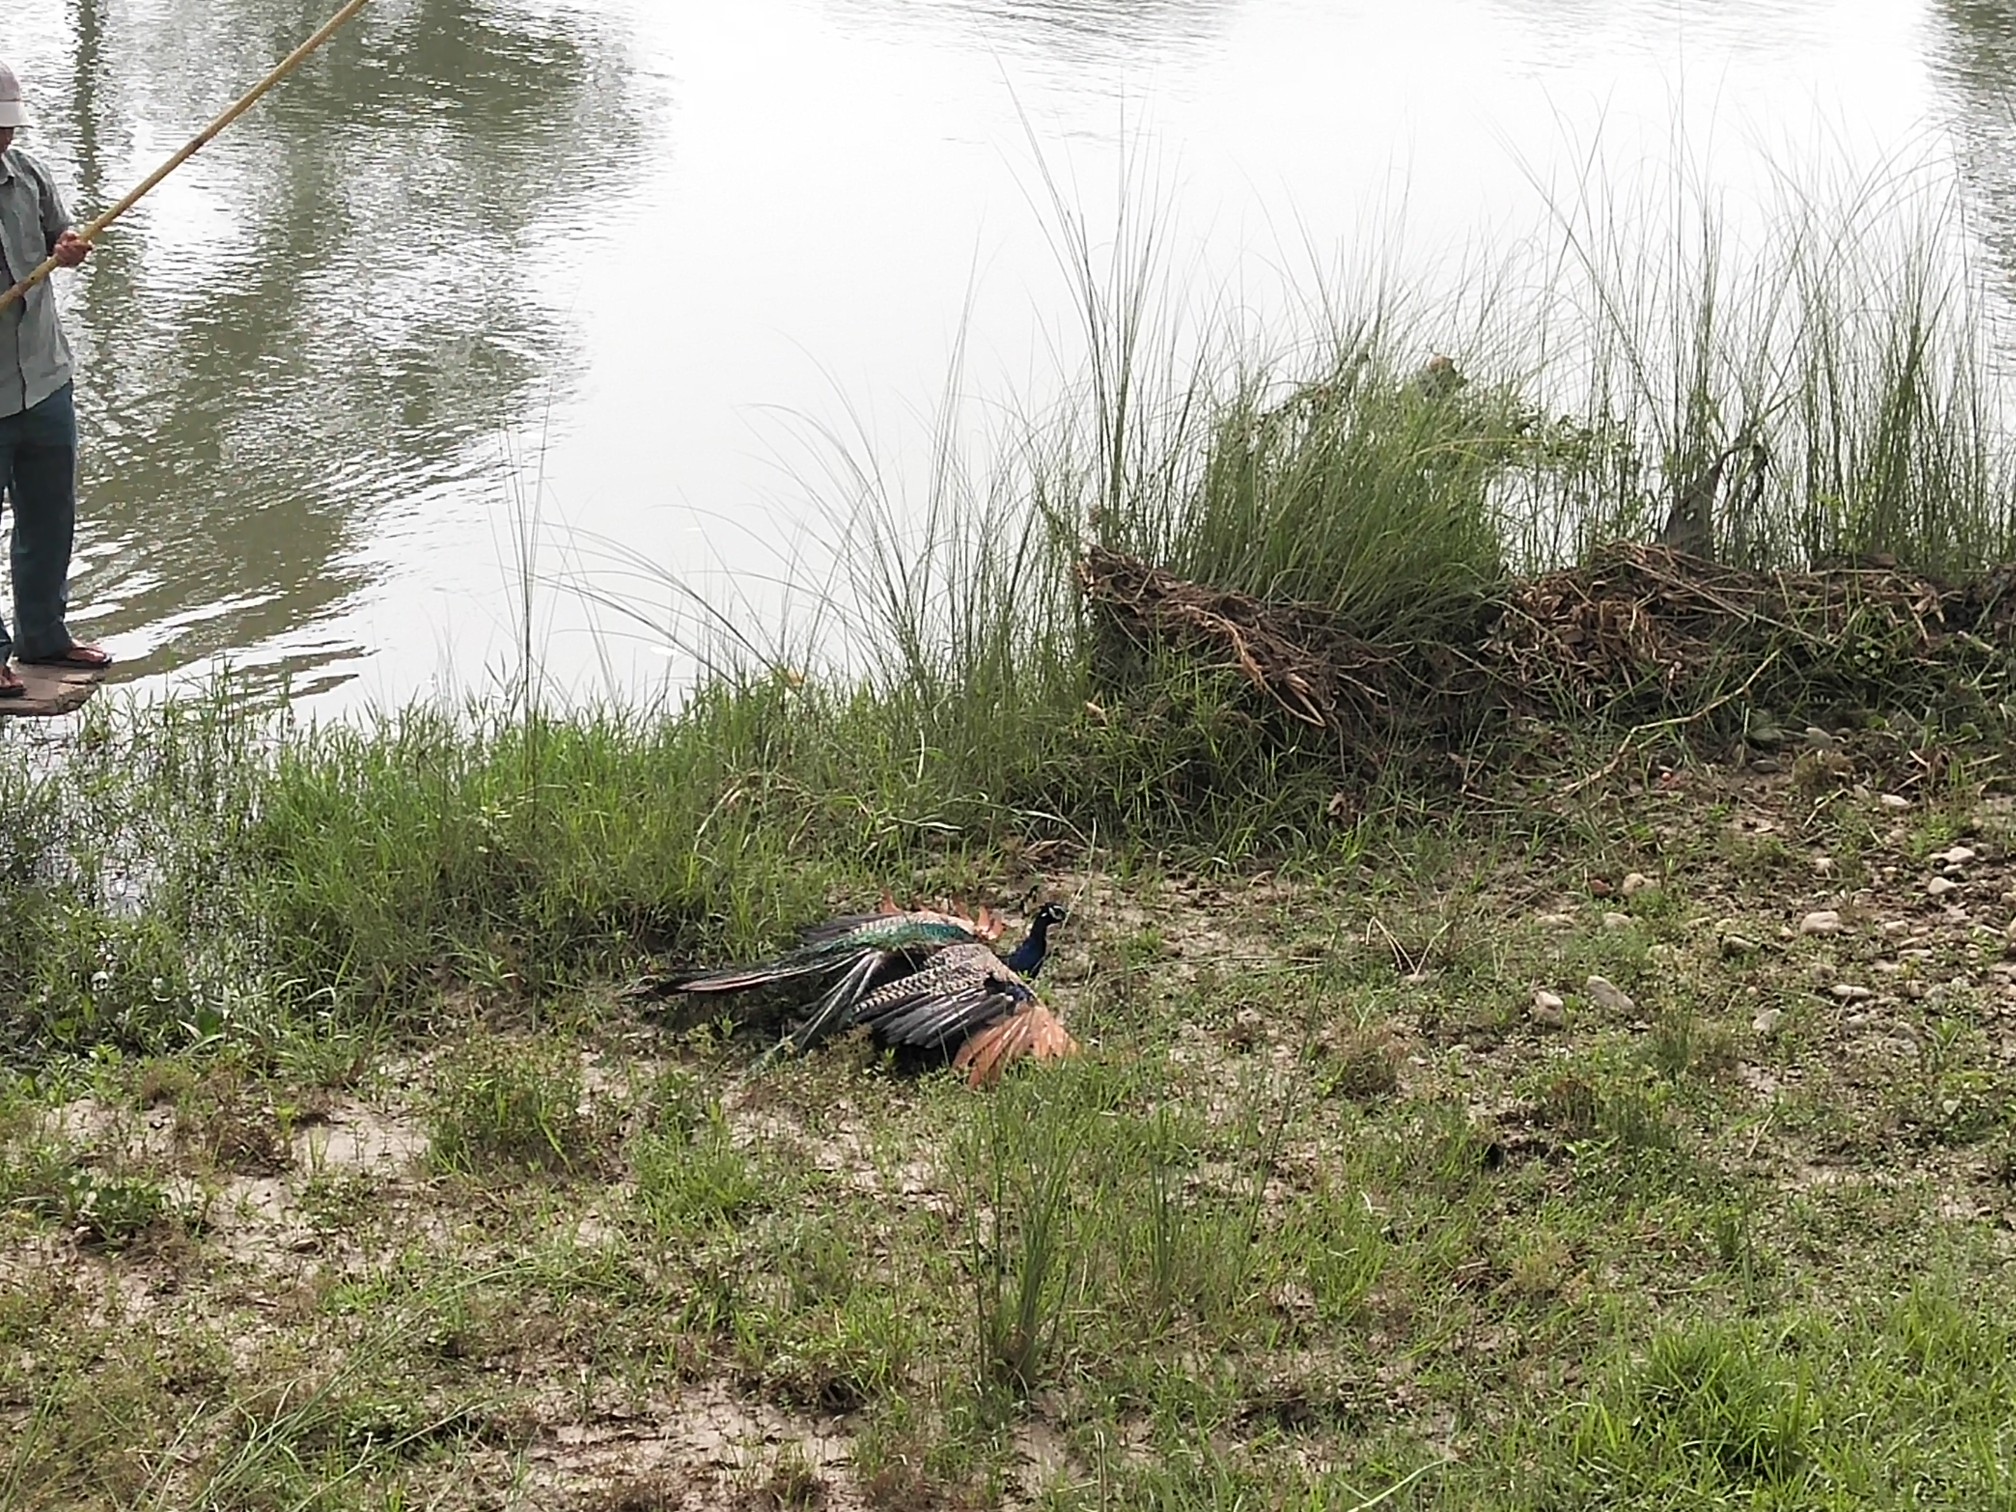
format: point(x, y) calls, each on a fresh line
point(12, 111)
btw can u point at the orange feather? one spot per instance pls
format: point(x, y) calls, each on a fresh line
point(1035, 1031)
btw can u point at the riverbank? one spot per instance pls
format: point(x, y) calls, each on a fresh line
point(1594, 1097)
point(1635, 1142)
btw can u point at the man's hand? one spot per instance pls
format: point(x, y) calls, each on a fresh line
point(71, 249)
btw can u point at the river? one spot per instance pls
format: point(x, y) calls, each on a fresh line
point(510, 308)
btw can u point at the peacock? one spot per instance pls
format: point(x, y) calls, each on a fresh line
point(922, 979)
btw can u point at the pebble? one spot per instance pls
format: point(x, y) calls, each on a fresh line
point(1895, 802)
point(1823, 921)
point(2010, 931)
point(1959, 855)
point(1767, 1022)
point(1823, 866)
point(1739, 945)
point(1549, 1009)
point(1896, 927)
point(1637, 884)
point(1556, 921)
point(1849, 992)
point(1939, 887)
point(1617, 921)
point(1608, 996)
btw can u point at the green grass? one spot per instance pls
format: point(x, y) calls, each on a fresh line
point(1311, 1222)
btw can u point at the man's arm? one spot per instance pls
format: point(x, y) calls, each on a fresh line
point(65, 245)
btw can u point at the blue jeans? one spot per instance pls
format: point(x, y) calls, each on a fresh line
point(38, 466)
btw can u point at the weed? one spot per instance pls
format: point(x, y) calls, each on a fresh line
point(501, 1107)
point(1019, 1159)
point(690, 1179)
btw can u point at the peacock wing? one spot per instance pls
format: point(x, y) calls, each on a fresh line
point(956, 991)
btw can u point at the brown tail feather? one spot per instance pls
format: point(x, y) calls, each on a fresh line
point(1034, 1031)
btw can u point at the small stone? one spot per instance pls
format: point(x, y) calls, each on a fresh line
point(1822, 740)
point(1939, 887)
point(1248, 1029)
point(1896, 928)
point(1296, 1301)
point(1637, 884)
point(1822, 921)
point(1823, 866)
point(1549, 1009)
point(1959, 855)
point(1739, 945)
point(1608, 996)
point(1556, 921)
point(1895, 802)
point(2009, 930)
point(1616, 921)
point(1766, 1023)
point(1849, 992)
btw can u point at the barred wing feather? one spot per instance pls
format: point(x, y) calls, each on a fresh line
point(966, 996)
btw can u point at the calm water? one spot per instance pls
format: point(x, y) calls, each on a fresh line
point(578, 282)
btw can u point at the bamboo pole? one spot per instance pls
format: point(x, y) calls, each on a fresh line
point(286, 66)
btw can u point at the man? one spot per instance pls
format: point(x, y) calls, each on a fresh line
point(38, 425)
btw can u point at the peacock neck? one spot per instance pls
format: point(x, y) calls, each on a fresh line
point(1027, 958)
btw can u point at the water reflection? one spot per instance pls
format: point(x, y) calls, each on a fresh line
point(1973, 51)
point(1078, 31)
point(298, 349)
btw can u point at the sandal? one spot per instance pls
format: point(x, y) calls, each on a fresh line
point(11, 685)
point(77, 654)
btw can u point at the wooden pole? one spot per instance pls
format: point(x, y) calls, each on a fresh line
point(286, 66)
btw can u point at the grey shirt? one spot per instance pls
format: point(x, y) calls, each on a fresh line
point(34, 357)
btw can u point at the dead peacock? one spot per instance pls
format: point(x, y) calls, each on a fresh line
point(919, 979)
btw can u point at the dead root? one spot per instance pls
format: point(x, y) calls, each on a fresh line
point(1313, 669)
point(1640, 633)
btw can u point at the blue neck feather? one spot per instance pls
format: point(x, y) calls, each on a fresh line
point(1026, 959)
